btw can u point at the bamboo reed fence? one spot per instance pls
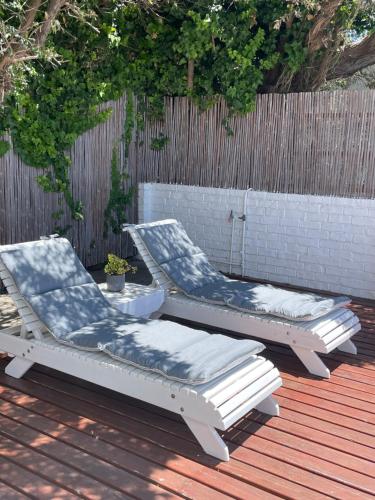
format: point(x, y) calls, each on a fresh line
point(310, 143)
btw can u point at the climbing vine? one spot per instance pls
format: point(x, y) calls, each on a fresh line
point(203, 50)
point(119, 197)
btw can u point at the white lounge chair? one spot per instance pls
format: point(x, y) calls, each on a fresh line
point(45, 278)
point(307, 337)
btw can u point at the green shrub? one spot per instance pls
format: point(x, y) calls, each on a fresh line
point(118, 266)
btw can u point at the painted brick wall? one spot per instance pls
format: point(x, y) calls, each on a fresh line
point(314, 241)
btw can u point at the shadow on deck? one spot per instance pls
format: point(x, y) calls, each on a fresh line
point(62, 437)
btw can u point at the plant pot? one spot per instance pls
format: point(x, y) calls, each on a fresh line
point(115, 282)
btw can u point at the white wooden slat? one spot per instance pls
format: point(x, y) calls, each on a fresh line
point(212, 388)
point(21, 306)
point(7, 282)
point(34, 325)
point(246, 381)
point(27, 315)
point(18, 301)
point(340, 330)
point(311, 325)
point(241, 410)
point(29, 318)
point(251, 390)
point(3, 275)
point(328, 325)
point(343, 337)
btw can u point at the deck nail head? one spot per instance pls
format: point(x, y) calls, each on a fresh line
point(173, 396)
point(181, 409)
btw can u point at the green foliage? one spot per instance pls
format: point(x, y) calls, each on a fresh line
point(118, 266)
point(115, 212)
point(159, 143)
point(223, 40)
point(119, 198)
point(4, 147)
point(233, 50)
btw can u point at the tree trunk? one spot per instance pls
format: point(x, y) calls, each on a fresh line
point(354, 58)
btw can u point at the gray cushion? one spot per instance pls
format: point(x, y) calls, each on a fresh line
point(68, 309)
point(189, 269)
point(266, 299)
point(95, 335)
point(158, 239)
point(192, 271)
point(180, 353)
point(54, 282)
point(70, 304)
point(54, 264)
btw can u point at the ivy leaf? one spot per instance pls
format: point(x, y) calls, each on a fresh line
point(4, 147)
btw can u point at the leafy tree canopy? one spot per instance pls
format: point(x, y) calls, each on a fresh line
point(59, 60)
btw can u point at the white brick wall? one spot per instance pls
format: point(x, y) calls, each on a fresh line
point(314, 241)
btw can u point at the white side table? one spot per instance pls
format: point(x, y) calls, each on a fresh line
point(137, 300)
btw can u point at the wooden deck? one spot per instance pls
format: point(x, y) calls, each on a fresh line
point(64, 438)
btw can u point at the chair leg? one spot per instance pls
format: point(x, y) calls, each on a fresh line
point(209, 439)
point(348, 346)
point(18, 367)
point(312, 362)
point(269, 406)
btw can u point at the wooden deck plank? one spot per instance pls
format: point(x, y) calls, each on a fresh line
point(39, 464)
point(180, 431)
point(329, 441)
point(321, 446)
point(114, 477)
point(31, 485)
point(9, 493)
point(294, 452)
point(353, 397)
point(138, 423)
point(88, 454)
point(129, 440)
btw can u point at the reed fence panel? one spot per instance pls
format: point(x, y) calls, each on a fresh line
point(309, 143)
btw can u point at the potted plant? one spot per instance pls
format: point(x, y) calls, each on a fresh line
point(115, 269)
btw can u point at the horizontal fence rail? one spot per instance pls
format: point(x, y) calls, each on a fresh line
point(309, 143)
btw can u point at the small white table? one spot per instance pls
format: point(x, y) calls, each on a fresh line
point(137, 300)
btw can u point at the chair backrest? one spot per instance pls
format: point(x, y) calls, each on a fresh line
point(30, 321)
point(171, 249)
point(50, 286)
point(160, 279)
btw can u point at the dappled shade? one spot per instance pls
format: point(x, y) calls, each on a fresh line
point(189, 269)
point(68, 301)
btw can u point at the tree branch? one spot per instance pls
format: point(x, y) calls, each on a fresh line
point(190, 79)
point(33, 37)
point(51, 13)
point(354, 58)
point(317, 37)
point(30, 15)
